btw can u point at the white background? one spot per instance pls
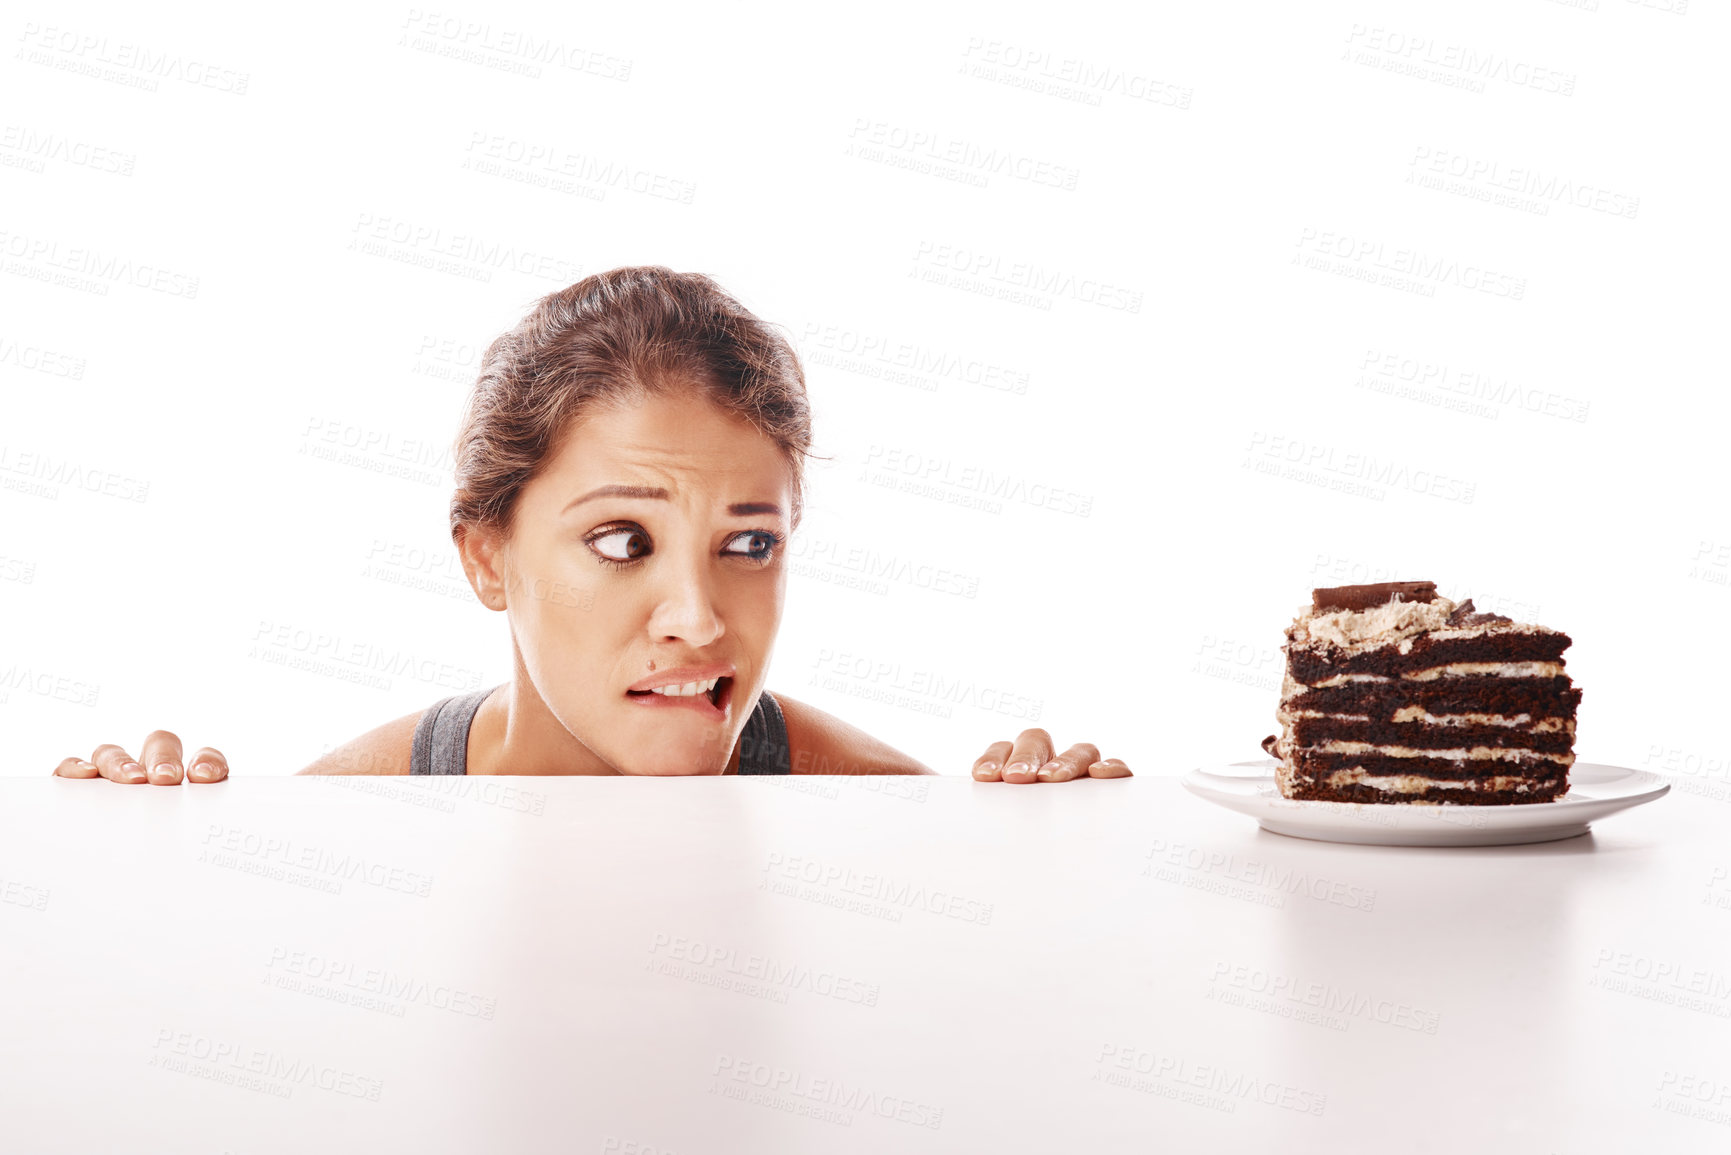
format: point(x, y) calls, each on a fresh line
point(1235, 173)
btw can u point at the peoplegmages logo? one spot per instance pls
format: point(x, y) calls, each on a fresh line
point(848, 566)
point(468, 256)
point(21, 570)
point(1718, 893)
point(824, 1099)
point(1671, 981)
point(930, 152)
point(381, 451)
point(1668, 7)
point(1259, 667)
point(17, 569)
point(1409, 270)
point(619, 1145)
point(939, 477)
point(1318, 1003)
point(320, 651)
point(752, 974)
point(24, 149)
point(408, 566)
point(915, 365)
point(1519, 187)
point(1198, 1083)
point(923, 690)
point(506, 48)
point(35, 358)
point(1691, 772)
point(820, 776)
point(1450, 65)
point(387, 777)
point(1348, 472)
point(439, 571)
point(1460, 389)
point(1014, 282)
point(1067, 78)
point(550, 166)
point(867, 893)
point(262, 1070)
point(24, 678)
point(1255, 881)
point(379, 989)
point(84, 269)
point(444, 359)
point(141, 67)
point(306, 865)
point(24, 894)
point(1694, 1095)
point(1711, 562)
point(34, 473)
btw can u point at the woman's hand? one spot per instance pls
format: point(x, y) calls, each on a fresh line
point(1029, 759)
point(161, 754)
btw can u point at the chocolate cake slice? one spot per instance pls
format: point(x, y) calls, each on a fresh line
point(1394, 693)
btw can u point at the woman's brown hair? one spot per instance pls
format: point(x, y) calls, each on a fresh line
point(612, 337)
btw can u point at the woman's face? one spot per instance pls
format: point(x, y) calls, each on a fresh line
point(647, 552)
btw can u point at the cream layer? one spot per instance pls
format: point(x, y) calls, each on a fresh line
point(1420, 714)
point(1452, 670)
point(1464, 754)
point(1359, 630)
point(1418, 783)
point(1394, 624)
point(1489, 669)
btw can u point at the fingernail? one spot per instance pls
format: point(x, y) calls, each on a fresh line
point(166, 770)
point(1018, 768)
point(985, 767)
point(1048, 770)
point(132, 771)
point(202, 772)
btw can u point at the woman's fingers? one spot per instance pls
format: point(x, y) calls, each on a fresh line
point(162, 758)
point(1109, 768)
point(207, 765)
point(116, 764)
point(1032, 750)
point(1072, 763)
point(76, 768)
point(991, 763)
point(162, 755)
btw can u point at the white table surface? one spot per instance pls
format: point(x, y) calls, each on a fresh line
point(709, 965)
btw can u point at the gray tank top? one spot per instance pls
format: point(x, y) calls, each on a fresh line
point(442, 737)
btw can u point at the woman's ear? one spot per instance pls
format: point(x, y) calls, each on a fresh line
point(482, 551)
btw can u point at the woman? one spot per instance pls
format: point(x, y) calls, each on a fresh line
point(628, 472)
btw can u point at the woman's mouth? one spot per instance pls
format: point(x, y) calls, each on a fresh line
point(709, 697)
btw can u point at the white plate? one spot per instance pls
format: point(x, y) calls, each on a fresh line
point(1594, 791)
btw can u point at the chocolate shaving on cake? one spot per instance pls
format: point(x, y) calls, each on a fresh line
point(1268, 745)
point(1370, 596)
point(1466, 614)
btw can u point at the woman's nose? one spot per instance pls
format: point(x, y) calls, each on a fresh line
point(685, 606)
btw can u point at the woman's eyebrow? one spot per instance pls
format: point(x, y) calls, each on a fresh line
point(649, 491)
point(656, 493)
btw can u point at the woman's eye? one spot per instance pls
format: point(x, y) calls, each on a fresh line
point(761, 545)
point(627, 544)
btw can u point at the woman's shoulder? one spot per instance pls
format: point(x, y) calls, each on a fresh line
point(821, 743)
point(382, 750)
